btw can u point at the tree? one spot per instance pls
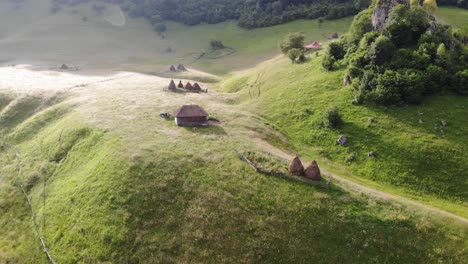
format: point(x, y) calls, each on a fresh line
point(292, 41)
point(328, 62)
point(430, 5)
point(337, 50)
point(381, 51)
point(332, 118)
point(217, 44)
point(160, 28)
point(414, 3)
point(460, 82)
point(296, 55)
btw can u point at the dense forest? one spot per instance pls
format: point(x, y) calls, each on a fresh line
point(411, 57)
point(249, 13)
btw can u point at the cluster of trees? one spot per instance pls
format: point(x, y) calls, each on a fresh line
point(249, 13)
point(459, 3)
point(293, 47)
point(412, 57)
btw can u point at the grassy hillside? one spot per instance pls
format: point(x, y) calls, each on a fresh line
point(457, 17)
point(152, 192)
point(419, 159)
point(81, 37)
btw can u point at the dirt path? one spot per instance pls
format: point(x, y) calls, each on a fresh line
point(355, 187)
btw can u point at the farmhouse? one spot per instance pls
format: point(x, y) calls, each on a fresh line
point(314, 45)
point(191, 115)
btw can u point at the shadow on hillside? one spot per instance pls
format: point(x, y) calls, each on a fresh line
point(209, 130)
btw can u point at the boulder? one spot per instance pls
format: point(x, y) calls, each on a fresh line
point(313, 172)
point(342, 140)
point(346, 80)
point(295, 167)
point(382, 10)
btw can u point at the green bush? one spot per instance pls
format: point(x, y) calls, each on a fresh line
point(296, 55)
point(332, 118)
point(460, 82)
point(381, 51)
point(328, 62)
point(337, 49)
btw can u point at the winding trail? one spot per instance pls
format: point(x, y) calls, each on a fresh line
point(355, 187)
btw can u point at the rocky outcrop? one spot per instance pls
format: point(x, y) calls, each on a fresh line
point(382, 10)
point(296, 168)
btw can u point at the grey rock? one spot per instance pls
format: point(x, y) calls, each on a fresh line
point(382, 10)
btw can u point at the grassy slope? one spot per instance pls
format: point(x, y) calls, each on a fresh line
point(419, 159)
point(116, 196)
point(456, 17)
point(39, 37)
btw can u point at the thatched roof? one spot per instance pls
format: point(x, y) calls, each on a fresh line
point(190, 111)
point(180, 85)
point(313, 172)
point(189, 86)
point(172, 86)
point(296, 168)
point(172, 68)
point(196, 87)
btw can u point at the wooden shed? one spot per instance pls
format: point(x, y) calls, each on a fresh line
point(191, 115)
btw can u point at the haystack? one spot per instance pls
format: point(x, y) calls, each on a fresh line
point(172, 86)
point(64, 67)
point(189, 86)
point(296, 168)
point(313, 172)
point(173, 69)
point(180, 85)
point(181, 67)
point(335, 35)
point(196, 87)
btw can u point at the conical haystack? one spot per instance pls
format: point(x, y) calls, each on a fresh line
point(335, 35)
point(181, 67)
point(189, 86)
point(313, 172)
point(296, 168)
point(172, 86)
point(196, 87)
point(180, 85)
point(172, 68)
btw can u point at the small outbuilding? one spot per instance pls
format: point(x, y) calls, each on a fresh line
point(191, 115)
point(313, 45)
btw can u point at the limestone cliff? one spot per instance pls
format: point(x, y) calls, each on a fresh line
point(382, 10)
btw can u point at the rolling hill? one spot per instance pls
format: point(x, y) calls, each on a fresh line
point(111, 182)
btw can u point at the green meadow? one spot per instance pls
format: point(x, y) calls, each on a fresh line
point(112, 182)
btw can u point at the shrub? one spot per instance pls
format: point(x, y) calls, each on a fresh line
point(460, 82)
point(332, 118)
point(296, 55)
point(381, 51)
point(328, 62)
point(217, 44)
point(337, 50)
point(160, 28)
